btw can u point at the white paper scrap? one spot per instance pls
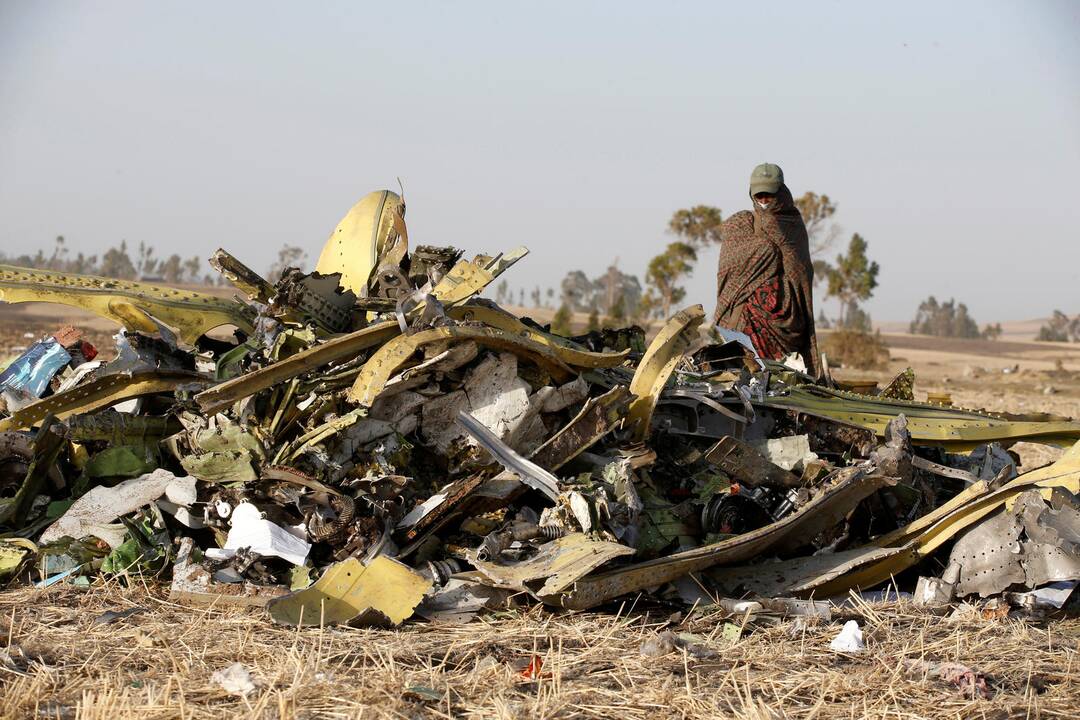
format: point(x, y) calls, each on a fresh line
point(250, 530)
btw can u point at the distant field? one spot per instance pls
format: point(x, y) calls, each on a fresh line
point(1016, 330)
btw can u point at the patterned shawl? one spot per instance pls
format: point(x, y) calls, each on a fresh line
point(765, 280)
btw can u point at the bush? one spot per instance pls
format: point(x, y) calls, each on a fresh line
point(946, 319)
point(855, 349)
point(1060, 329)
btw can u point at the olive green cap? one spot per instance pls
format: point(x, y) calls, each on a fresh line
point(766, 178)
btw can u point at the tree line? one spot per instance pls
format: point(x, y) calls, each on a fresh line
point(117, 262)
point(615, 297)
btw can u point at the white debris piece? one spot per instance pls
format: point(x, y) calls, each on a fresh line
point(94, 512)
point(250, 530)
point(422, 509)
point(849, 639)
point(1052, 595)
point(564, 396)
point(579, 506)
point(790, 453)
point(498, 398)
point(794, 361)
point(179, 497)
point(235, 679)
point(932, 592)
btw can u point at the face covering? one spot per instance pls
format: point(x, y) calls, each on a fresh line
point(763, 204)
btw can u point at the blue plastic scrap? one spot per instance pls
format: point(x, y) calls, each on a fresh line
point(26, 378)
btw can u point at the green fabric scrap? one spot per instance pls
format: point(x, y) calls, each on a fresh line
point(121, 462)
point(220, 467)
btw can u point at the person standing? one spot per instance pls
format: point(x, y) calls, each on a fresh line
point(765, 278)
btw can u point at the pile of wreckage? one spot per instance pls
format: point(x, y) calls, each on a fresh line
point(373, 441)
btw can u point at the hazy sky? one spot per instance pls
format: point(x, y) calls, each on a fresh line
point(948, 133)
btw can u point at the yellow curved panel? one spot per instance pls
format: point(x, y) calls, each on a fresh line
point(566, 351)
point(353, 247)
point(388, 359)
point(656, 366)
point(126, 302)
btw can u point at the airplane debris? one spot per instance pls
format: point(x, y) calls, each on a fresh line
point(371, 441)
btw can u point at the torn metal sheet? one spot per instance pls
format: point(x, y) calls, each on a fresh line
point(94, 512)
point(466, 279)
point(1032, 545)
point(220, 397)
point(319, 434)
point(48, 443)
point(800, 576)
point(597, 418)
point(220, 467)
point(527, 471)
point(562, 397)
point(822, 512)
point(133, 305)
point(223, 452)
point(446, 361)
point(944, 470)
point(936, 425)
point(313, 298)
point(447, 506)
point(790, 453)
point(747, 465)
point(96, 394)
point(16, 456)
point(925, 535)
point(494, 395)
point(118, 428)
point(664, 353)
point(242, 277)
point(389, 359)
point(14, 554)
point(988, 556)
point(559, 563)
point(463, 281)
point(459, 601)
point(382, 592)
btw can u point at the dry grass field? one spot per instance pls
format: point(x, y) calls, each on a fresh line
point(61, 660)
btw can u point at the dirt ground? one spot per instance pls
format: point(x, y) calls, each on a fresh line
point(59, 660)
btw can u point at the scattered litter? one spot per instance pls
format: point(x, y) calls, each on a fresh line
point(970, 683)
point(110, 616)
point(235, 680)
point(666, 641)
point(423, 692)
point(534, 668)
point(849, 639)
